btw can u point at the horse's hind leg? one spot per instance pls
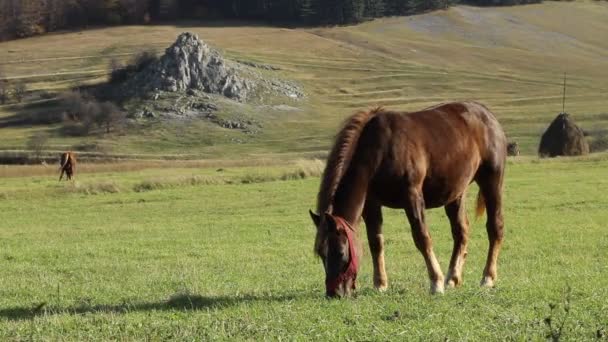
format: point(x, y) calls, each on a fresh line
point(457, 214)
point(490, 184)
point(372, 214)
point(415, 214)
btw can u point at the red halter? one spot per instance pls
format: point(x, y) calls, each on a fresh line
point(353, 263)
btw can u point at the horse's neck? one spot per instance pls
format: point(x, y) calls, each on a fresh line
point(350, 195)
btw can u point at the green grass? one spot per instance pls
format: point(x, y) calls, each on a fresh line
point(200, 261)
point(511, 58)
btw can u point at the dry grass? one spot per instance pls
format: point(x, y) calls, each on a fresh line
point(305, 168)
point(91, 188)
point(128, 166)
point(166, 183)
point(302, 169)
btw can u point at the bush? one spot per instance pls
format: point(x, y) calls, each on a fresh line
point(109, 116)
point(599, 141)
point(46, 117)
point(80, 114)
point(3, 91)
point(37, 143)
point(23, 29)
point(143, 59)
point(19, 90)
point(120, 73)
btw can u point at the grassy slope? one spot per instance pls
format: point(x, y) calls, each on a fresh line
point(202, 262)
point(510, 58)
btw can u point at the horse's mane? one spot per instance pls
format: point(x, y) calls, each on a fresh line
point(340, 156)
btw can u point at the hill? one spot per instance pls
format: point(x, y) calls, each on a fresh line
point(511, 58)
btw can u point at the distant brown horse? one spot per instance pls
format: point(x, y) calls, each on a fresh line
point(67, 165)
point(412, 161)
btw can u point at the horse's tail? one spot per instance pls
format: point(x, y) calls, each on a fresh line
point(65, 158)
point(481, 205)
point(63, 161)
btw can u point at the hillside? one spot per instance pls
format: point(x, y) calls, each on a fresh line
point(512, 59)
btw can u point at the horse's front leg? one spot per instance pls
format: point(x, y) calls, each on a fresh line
point(415, 214)
point(372, 215)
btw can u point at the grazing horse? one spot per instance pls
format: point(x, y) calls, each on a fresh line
point(411, 161)
point(67, 165)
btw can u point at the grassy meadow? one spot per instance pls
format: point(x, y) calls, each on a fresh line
point(510, 58)
point(217, 244)
point(230, 257)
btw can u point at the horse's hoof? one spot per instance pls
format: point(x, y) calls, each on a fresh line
point(381, 288)
point(453, 281)
point(381, 284)
point(437, 288)
point(487, 281)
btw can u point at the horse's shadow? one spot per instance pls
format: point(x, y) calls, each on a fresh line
point(184, 302)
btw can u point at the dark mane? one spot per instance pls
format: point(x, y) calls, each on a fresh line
point(340, 157)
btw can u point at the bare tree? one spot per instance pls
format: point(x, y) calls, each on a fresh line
point(37, 143)
point(109, 116)
point(19, 91)
point(3, 88)
point(3, 91)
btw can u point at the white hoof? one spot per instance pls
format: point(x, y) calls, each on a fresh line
point(487, 281)
point(380, 285)
point(382, 288)
point(450, 284)
point(437, 287)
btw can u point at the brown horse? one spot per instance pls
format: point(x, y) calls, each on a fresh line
point(412, 161)
point(67, 165)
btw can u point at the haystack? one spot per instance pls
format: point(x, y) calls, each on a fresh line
point(563, 138)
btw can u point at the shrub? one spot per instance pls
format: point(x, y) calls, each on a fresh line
point(3, 88)
point(109, 115)
point(24, 29)
point(19, 90)
point(120, 73)
point(81, 112)
point(37, 143)
point(599, 141)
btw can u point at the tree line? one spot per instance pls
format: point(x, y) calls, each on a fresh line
point(22, 18)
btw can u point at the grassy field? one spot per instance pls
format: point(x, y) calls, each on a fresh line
point(510, 58)
point(202, 253)
point(220, 247)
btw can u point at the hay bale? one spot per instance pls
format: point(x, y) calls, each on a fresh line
point(513, 149)
point(563, 138)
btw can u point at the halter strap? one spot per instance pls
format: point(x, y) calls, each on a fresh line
point(353, 263)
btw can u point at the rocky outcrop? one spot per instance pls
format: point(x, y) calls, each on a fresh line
point(191, 64)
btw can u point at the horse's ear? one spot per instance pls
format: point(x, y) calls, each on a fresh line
point(315, 218)
point(330, 222)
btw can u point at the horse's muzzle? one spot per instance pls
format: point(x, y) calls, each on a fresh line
point(343, 289)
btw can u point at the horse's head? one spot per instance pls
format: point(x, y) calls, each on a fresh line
point(335, 245)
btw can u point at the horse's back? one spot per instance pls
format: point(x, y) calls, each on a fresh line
point(439, 148)
point(459, 129)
